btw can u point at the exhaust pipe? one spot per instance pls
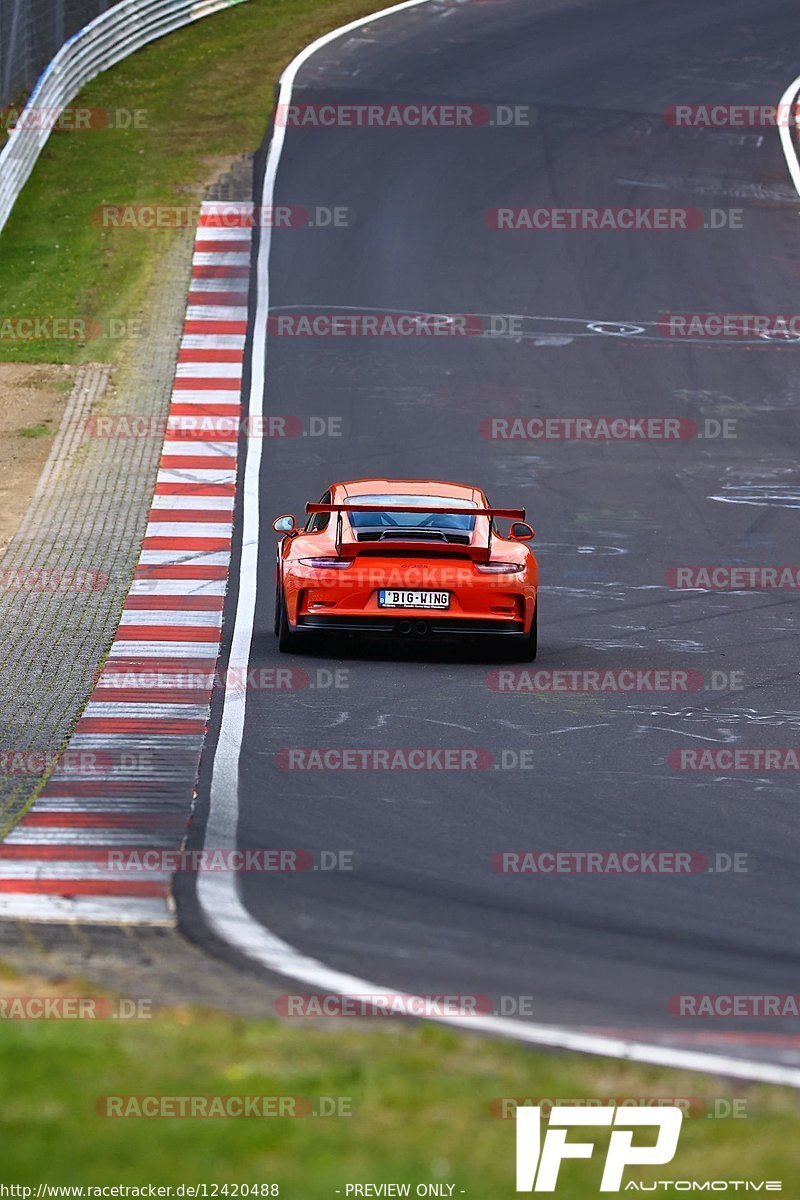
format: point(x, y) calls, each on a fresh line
point(404, 628)
point(421, 628)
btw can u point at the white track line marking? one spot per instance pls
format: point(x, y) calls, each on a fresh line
point(790, 154)
point(217, 893)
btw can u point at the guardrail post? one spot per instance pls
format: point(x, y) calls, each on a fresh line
point(13, 39)
point(59, 31)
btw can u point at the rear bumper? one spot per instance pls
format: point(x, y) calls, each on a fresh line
point(348, 600)
point(433, 625)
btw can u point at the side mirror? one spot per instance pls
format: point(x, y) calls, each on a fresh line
point(285, 524)
point(521, 531)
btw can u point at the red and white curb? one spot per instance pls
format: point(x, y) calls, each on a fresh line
point(127, 779)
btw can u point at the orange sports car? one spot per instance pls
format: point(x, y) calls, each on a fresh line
point(406, 557)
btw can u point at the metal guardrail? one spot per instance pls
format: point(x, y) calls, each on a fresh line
point(105, 41)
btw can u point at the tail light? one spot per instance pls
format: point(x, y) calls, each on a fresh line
point(327, 564)
point(500, 568)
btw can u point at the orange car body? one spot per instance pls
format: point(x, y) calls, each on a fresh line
point(365, 564)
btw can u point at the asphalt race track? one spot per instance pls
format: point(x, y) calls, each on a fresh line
point(425, 912)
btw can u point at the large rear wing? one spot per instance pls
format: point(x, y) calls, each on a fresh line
point(411, 544)
point(510, 514)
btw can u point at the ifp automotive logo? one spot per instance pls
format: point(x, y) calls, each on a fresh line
point(539, 1160)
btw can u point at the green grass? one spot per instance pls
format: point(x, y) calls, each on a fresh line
point(422, 1102)
point(204, 94)
point(34, 431)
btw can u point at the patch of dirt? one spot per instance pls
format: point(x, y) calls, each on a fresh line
point(159, 965)
point(32, 399)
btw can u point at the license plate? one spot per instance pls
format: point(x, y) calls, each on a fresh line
point(391, 598)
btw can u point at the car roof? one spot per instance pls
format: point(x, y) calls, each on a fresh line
point(410, 487)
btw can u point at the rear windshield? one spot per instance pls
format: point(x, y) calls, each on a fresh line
point(416, 515)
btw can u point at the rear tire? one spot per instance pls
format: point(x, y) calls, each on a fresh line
point(526, 649)
point(289, 640)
